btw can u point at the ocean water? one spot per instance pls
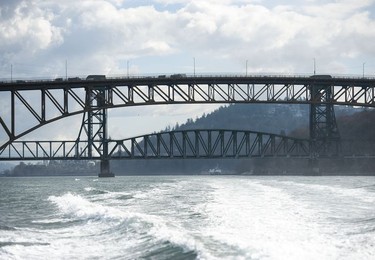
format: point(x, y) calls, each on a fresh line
point(187, 217)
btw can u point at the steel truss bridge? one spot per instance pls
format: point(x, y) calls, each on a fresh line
point(47, 101)
point(186, 144)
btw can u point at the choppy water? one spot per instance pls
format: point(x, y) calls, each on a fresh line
point(189, 217)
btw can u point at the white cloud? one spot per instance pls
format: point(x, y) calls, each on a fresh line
point(27, 30)
point(163, 36)
point(100, 35)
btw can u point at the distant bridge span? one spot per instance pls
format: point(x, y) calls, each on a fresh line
point(47, 101)
point(186, 144)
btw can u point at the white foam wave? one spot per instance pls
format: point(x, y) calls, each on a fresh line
point(353, 193)
point(97, 191)
point(232, 219)
point(78, 207)
point(51, 221)
point(265, 222)
point(179, 236)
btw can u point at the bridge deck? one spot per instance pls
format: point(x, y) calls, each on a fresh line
point(37, 84)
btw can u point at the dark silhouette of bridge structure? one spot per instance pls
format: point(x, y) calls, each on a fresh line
point(46, 101)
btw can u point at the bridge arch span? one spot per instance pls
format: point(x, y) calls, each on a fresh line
point(187, 144)
point(68, 98)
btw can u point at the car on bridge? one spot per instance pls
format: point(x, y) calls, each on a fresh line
point(74, 79)
point(95, 77)
point(177, 76)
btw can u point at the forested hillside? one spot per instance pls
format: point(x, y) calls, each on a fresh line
point(276, 119)
point(291, 120)
point(256, 117)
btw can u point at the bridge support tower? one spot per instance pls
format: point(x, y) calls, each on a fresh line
point(324, 133)
point(95, 127)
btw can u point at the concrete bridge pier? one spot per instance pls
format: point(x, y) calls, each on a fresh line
point(313, 167)
point(105, 169)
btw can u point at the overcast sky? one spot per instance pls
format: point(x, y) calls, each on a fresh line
point(38, 37)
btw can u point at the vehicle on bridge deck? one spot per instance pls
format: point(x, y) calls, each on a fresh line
point(74, 79)
point(95, 77)
point(177, 76)
point(321, 76)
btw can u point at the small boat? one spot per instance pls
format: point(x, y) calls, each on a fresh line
point(215, 171)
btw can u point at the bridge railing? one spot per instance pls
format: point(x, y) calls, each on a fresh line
point(169, 75)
